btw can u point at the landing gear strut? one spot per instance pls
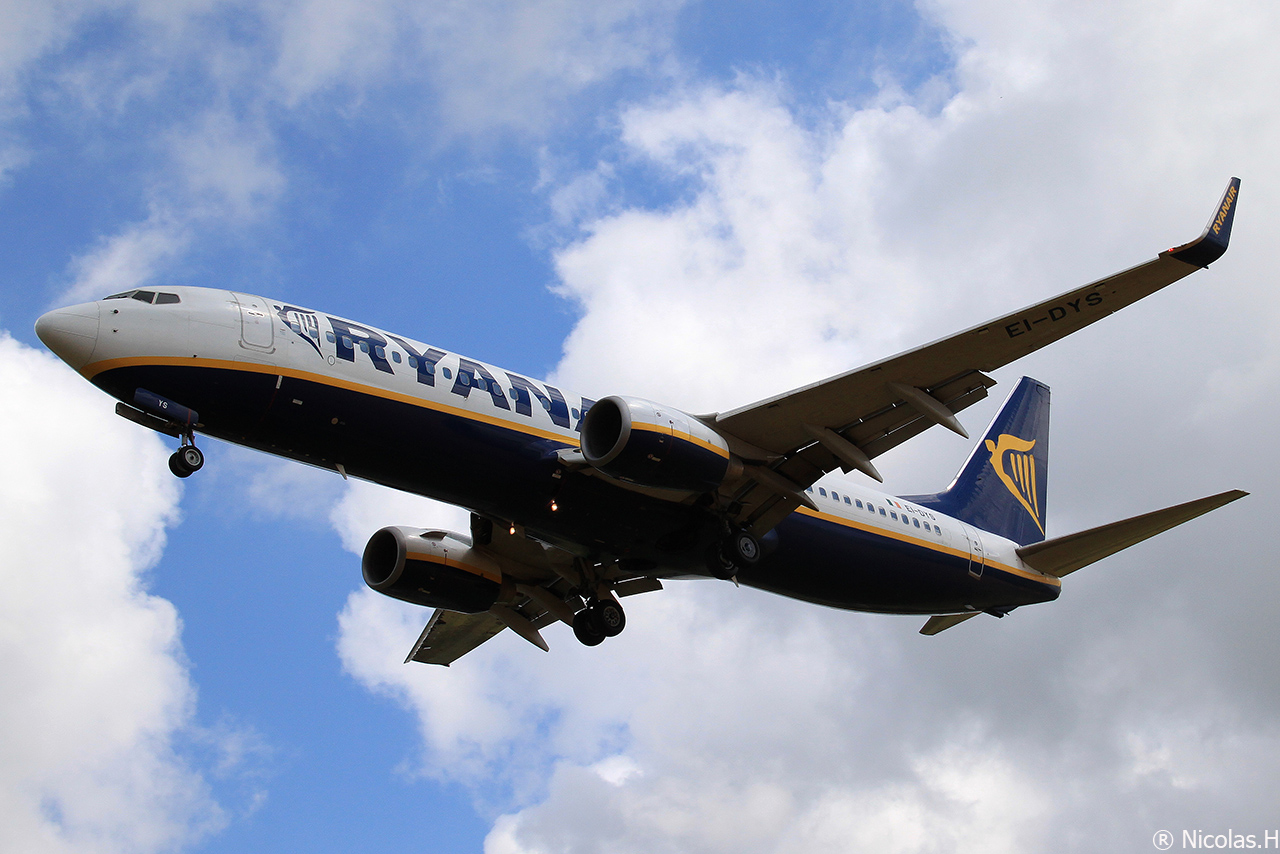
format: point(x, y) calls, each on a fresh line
point(187, 460)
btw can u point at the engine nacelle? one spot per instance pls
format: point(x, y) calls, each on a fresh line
point(654, 445)
point(438, 569)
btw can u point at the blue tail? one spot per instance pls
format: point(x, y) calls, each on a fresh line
point(1002, 486)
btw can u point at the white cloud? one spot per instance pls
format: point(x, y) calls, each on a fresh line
point(134, 256)
point(365, 507)
point(96, 687)
point(222, 176)
point(481, 66)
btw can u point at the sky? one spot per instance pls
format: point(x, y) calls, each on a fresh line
point(704, 203)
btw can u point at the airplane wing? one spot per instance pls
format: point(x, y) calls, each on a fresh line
point(846, 420)
point(544, 578)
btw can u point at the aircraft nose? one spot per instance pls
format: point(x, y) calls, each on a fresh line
point(70, 332)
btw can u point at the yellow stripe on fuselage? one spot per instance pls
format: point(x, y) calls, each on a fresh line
point(91, 371)
point(931, 545)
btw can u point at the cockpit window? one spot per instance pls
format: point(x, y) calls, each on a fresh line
point(149, 297)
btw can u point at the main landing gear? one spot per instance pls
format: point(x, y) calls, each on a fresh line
point(187, 460)
point(738, 550)
point(600, 619)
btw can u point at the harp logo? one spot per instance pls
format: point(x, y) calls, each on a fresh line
point(1016, 467)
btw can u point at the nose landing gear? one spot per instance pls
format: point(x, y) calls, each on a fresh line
point(172, 419)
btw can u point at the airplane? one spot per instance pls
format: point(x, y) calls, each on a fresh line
point(578, 502)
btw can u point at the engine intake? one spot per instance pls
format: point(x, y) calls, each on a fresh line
point(437, 569)
point(654, 445)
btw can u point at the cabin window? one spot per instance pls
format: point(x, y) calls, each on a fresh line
point(822, 492)
point(882, 512)
point(859, 503)
point(809, 490)
point(847, 501)
point(328, 336)
point(937, 530)
point(379, 351)
point(546, 404)
point(834, 495)
point(917, 522)
point(395, 356)
point(479, 383)
point(167, 299)
point(448, 374)
point(346, 342)
point(574, 413)
point(364, 347)
point(892, 515)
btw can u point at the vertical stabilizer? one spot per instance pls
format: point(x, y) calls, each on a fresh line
point(1002, 486)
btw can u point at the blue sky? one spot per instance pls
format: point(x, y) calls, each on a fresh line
point(698, 202)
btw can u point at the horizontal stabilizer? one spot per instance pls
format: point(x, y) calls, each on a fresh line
point(945, 621)
point(1063, 555)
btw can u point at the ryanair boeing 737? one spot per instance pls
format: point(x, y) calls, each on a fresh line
point(577, 502)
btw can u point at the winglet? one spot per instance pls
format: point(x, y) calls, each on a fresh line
point(1211, 245)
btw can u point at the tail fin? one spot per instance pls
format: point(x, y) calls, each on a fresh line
point(1002, 487)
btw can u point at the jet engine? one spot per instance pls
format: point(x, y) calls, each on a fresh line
point(654, 445)
point(438, 569)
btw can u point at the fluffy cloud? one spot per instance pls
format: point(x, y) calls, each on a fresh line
point(211, 168)
point(480, 66)
point(96, 688)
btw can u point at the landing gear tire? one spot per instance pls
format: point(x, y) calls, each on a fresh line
point(745, 549)
point(178, 466)
point(192, 457)
point(586, 630)
point(739, 551)
point(608, 617)
point(186, 461)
